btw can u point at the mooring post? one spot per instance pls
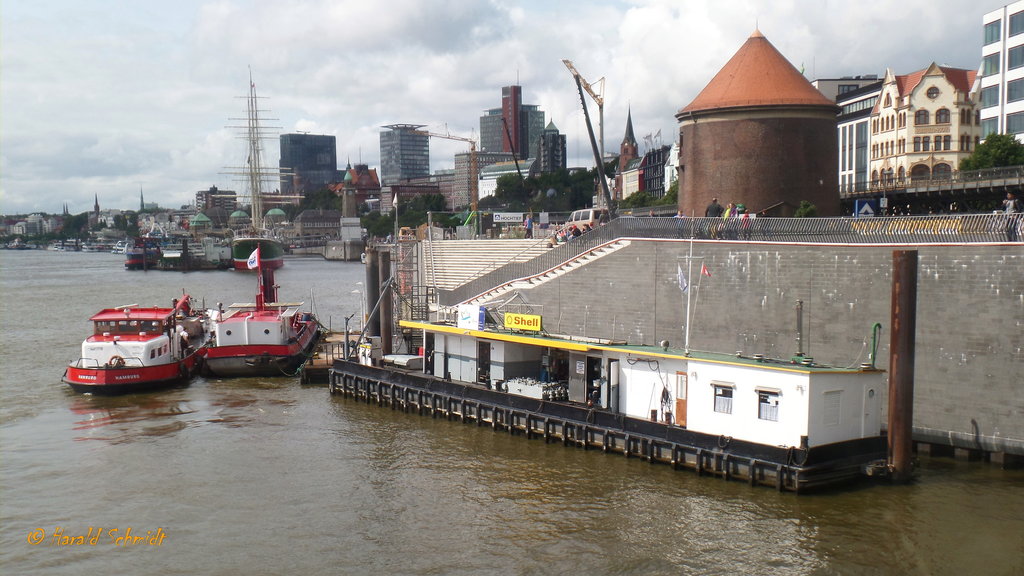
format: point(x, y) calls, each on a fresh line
point(901, 363)
point(386, 308)
point(372, 293)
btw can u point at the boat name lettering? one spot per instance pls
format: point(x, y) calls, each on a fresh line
point(127, 377)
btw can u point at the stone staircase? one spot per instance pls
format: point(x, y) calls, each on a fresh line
point(447, 264)
point(526, 283)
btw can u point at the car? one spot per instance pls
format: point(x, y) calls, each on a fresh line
point(591, 217)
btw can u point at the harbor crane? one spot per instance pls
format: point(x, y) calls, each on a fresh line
point(598, 97)
point(474, 176)
point(606, 197)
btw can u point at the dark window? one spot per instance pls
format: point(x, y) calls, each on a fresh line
point(926, 143)
point(1016, 23)
point(921, 117)
point(990, 65)
point(942, 116)
point(917, 144)
point(992, 32)
point(942, 171)
point(1015, 90)
point(1015, 123)
point(988, 126)
point(1015, 57)
point(989, 96)
point(946, 142)
point(933, 92)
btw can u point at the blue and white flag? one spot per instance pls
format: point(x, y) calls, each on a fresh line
point(683, 284)
point(254, 259)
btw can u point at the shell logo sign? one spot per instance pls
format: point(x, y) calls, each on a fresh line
point(528, 322)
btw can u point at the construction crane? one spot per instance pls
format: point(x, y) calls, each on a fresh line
point(606, 197)
point(474, 175)
point(597, 96)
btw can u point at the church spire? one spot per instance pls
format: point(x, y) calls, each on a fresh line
point(629, 138)
point(142, 200)
point(96, 205)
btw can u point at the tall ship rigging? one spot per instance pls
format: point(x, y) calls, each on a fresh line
point(256, 175)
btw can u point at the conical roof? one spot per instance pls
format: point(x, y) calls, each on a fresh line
point(629, 138)
point(275, 212)
point(757, 75)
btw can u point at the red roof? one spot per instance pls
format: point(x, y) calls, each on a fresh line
point(961, 79)
point(757, 75)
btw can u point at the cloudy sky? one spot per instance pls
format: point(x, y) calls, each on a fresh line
point(114, 97)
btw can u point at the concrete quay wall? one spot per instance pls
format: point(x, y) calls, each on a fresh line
point(969, 355)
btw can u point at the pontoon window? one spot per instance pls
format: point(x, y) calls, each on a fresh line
point(723, 398)
point(768, 405)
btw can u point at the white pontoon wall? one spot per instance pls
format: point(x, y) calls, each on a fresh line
point(743, 422)
point(845, 406)
point(642, 382)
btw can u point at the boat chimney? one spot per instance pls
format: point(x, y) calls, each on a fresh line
point(901, 363)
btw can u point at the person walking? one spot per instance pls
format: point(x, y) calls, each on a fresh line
point(1013, 207)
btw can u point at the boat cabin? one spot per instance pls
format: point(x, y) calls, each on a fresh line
point(133, 336)
point(782, 403)
point(245, 324)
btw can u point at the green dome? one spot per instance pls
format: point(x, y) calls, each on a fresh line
point(348, 176)
point(239, 214)
point(200, 219)
point(275, 212)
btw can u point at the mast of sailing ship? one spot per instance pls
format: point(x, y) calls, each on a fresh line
point(255, 161)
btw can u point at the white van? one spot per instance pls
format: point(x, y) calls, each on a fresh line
point(590, 216)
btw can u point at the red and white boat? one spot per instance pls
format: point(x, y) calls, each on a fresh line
point(135, 349)
point(265, 338)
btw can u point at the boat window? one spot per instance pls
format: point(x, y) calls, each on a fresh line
point(723, 398)
point(768, 405)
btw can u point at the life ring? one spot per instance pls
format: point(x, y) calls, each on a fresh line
point(116, 362)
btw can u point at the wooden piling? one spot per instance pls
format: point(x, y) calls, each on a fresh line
point(901, 363)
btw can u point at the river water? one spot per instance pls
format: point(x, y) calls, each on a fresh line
point(266, 476)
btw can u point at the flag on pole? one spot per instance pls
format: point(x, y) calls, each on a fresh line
point(254, 259)
point(394, 200)
point(683, 284)
point(704, 270)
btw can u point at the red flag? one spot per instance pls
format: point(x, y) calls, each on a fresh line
point(704, 270)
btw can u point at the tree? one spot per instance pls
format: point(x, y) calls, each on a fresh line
point(806, 210)
point(997, 150)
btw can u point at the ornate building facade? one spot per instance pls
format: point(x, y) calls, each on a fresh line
point(922, 125)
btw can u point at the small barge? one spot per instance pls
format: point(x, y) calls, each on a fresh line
point(793, 424)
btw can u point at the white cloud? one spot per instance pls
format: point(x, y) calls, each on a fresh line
point(105, 98)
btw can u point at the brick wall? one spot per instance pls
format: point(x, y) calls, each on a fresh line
point(759, 161)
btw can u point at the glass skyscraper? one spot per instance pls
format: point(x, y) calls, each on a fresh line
point(404, 153)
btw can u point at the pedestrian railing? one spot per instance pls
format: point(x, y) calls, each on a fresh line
point(940, 229)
